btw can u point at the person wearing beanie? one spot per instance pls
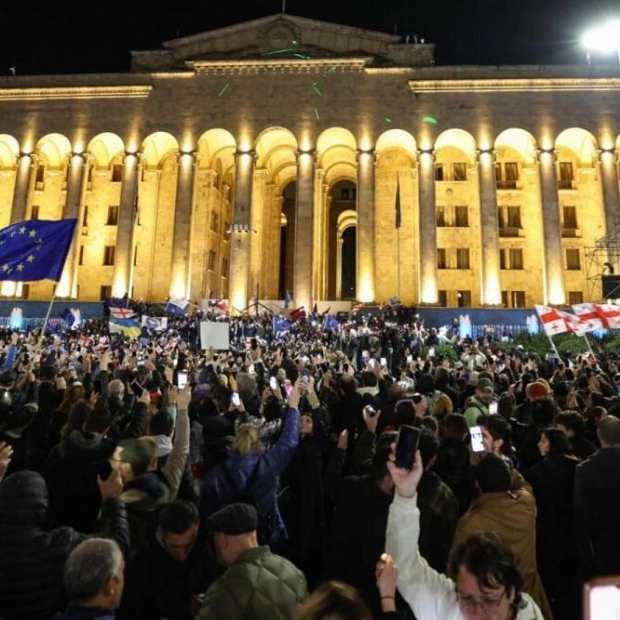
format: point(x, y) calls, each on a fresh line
point(257, 584)
point(478, 404)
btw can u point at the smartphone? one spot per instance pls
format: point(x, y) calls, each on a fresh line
point(383, 362)
point(493, 408)
point(234, 399)
point(601, 598)
point(273, 383)
point(371, 362)
point(136, 388)
point(251, 369)
point(97, 386)
point(477, 443)
point(372, 413)
point(181, 379)
point(288, 387)
point(406, 446)
point(409, 359)
point(431, 352)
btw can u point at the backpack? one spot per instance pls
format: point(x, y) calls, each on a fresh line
point(246, 496)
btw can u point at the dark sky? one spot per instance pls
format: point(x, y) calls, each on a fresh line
point(97, 37)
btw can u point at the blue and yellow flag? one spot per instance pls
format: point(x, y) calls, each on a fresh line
point(35, 249)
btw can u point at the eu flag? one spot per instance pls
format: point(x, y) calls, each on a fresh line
point(35, 249)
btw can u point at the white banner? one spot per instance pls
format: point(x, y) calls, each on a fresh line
point(214, 334)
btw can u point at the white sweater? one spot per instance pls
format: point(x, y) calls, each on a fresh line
point(431, 595)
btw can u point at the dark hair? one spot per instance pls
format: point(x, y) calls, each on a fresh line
point(492, 474)
point(404, 412)
point(570, 420)
point(558, 441)
point(491, 562)
point(455, 426)
point(136, 453)
point(334, 599)
point(178, 516)
point(609, 430)
point(76, 418)
point(97, 420)
point(378, 468)
point(428, 445)
point(161, 423)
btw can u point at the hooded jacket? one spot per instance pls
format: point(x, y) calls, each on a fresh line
point(32, 558)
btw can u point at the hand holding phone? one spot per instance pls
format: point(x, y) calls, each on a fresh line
point(601, 598)
point(406, 446)
point(234, 399)
point(476, 440)
point(181, 379)
point(493, 408)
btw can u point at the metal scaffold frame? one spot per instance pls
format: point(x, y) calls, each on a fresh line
point(602, 259)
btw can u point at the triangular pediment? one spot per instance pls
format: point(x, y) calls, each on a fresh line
point(280, 36)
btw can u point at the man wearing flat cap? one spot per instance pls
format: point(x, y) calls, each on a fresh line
point(257, 583)
point(478, 404)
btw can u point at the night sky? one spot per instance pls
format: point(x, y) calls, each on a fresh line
point(91, 37)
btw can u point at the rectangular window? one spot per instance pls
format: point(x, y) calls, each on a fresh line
point(39, 178)
point(211, 261)
point(514, 217)
point(81, 256)
point(513, 299)
point(461, 216)
point(34, 213)
point(459, 171)
point(569, 217)
point(224, 267)
point(462, 258)
point(215, 221)
point(566, 175)
point(85, 216)
point(25, 291)
point(503, 258)
point(463, 299)
point(439, 172)
point(573, 261)
point(442, 298)
point(117, 173)
point(441, 216)
point(511, 171)
point(516, 258)
point(442, 263)
point(575, 297)
point(104, 292)
point(108, 255)
point(112, 216)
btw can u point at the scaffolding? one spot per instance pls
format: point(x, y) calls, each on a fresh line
point(602, 259)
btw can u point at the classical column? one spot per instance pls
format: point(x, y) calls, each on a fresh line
point(240, 241)
point(259, 241)
point(609, 173)
point(304, 212)
point(365, 287)
point(123, 256)
point(181, 241)
point(553, 267)
point(68, 285)
point(491, 293)
point(24, 187)
point(318, 235)
point(428, 230)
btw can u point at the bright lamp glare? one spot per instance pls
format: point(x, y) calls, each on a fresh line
point(605, 38)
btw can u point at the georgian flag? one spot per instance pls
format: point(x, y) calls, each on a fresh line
point(122, 313)
point(589, 316)
point(553, 321)
point(610, 315)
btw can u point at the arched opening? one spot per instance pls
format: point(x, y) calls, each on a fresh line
point(348, 264)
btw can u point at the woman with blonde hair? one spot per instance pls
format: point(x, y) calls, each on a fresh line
point(250, 474)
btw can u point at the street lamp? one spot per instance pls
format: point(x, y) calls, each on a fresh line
point(605, 38)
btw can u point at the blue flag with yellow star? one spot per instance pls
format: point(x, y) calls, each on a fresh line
point(35, 249)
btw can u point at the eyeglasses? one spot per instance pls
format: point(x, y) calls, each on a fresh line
point(486, 604)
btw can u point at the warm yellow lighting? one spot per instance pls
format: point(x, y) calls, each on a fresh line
point(556, 292)
point(8, 289)
point(493, 293)
point(429, 291)
point(366, 293)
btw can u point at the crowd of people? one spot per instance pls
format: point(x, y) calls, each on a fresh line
point(152, 478)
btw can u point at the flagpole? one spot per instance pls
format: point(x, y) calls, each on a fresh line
point(585, 336)
point(47, 316)
point(553, 346)
point(398, 261)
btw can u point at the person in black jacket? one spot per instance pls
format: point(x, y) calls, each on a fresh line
point(32, 556)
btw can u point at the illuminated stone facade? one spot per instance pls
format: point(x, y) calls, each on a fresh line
point(246, 157)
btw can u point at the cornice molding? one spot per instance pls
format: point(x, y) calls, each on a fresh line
point(515, 85)
point(280, 65)
point(76, 92)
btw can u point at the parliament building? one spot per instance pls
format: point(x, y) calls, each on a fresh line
point(336, 163)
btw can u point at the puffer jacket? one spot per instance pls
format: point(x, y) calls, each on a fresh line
point(32, 558)
point(260, 585)
point(217, 493)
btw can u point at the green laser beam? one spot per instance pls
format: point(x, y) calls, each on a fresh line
point(316, 114)
point(224, 89)
point(316, 89)
point(388, 119)
point(274, 52)
point(430, 119)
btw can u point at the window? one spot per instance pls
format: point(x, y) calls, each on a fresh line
point(442, 263)
point(566, 175)
point(573, 262)
point(461, 216)
point(439, 172)
point(463, 299)
point(85, 216)
point(211, 261)
point(514, 217)
point(347, 193)
point(34, 213)
point(442, 298)
point(506, 175)
point(511, 171)
point(224, 267)
point(459, 171)
point(112, 216)
point(441, 216)
point(117, 173)
point(569, 217)
point(462, 258)
point(509, 221)
point(511, 258)
point(575, 297)
point(215, 221)
point(40, 177)
point(25, 291)
point(513, 299)
point(108, 255)
point(81, 256)
point(104, 292)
